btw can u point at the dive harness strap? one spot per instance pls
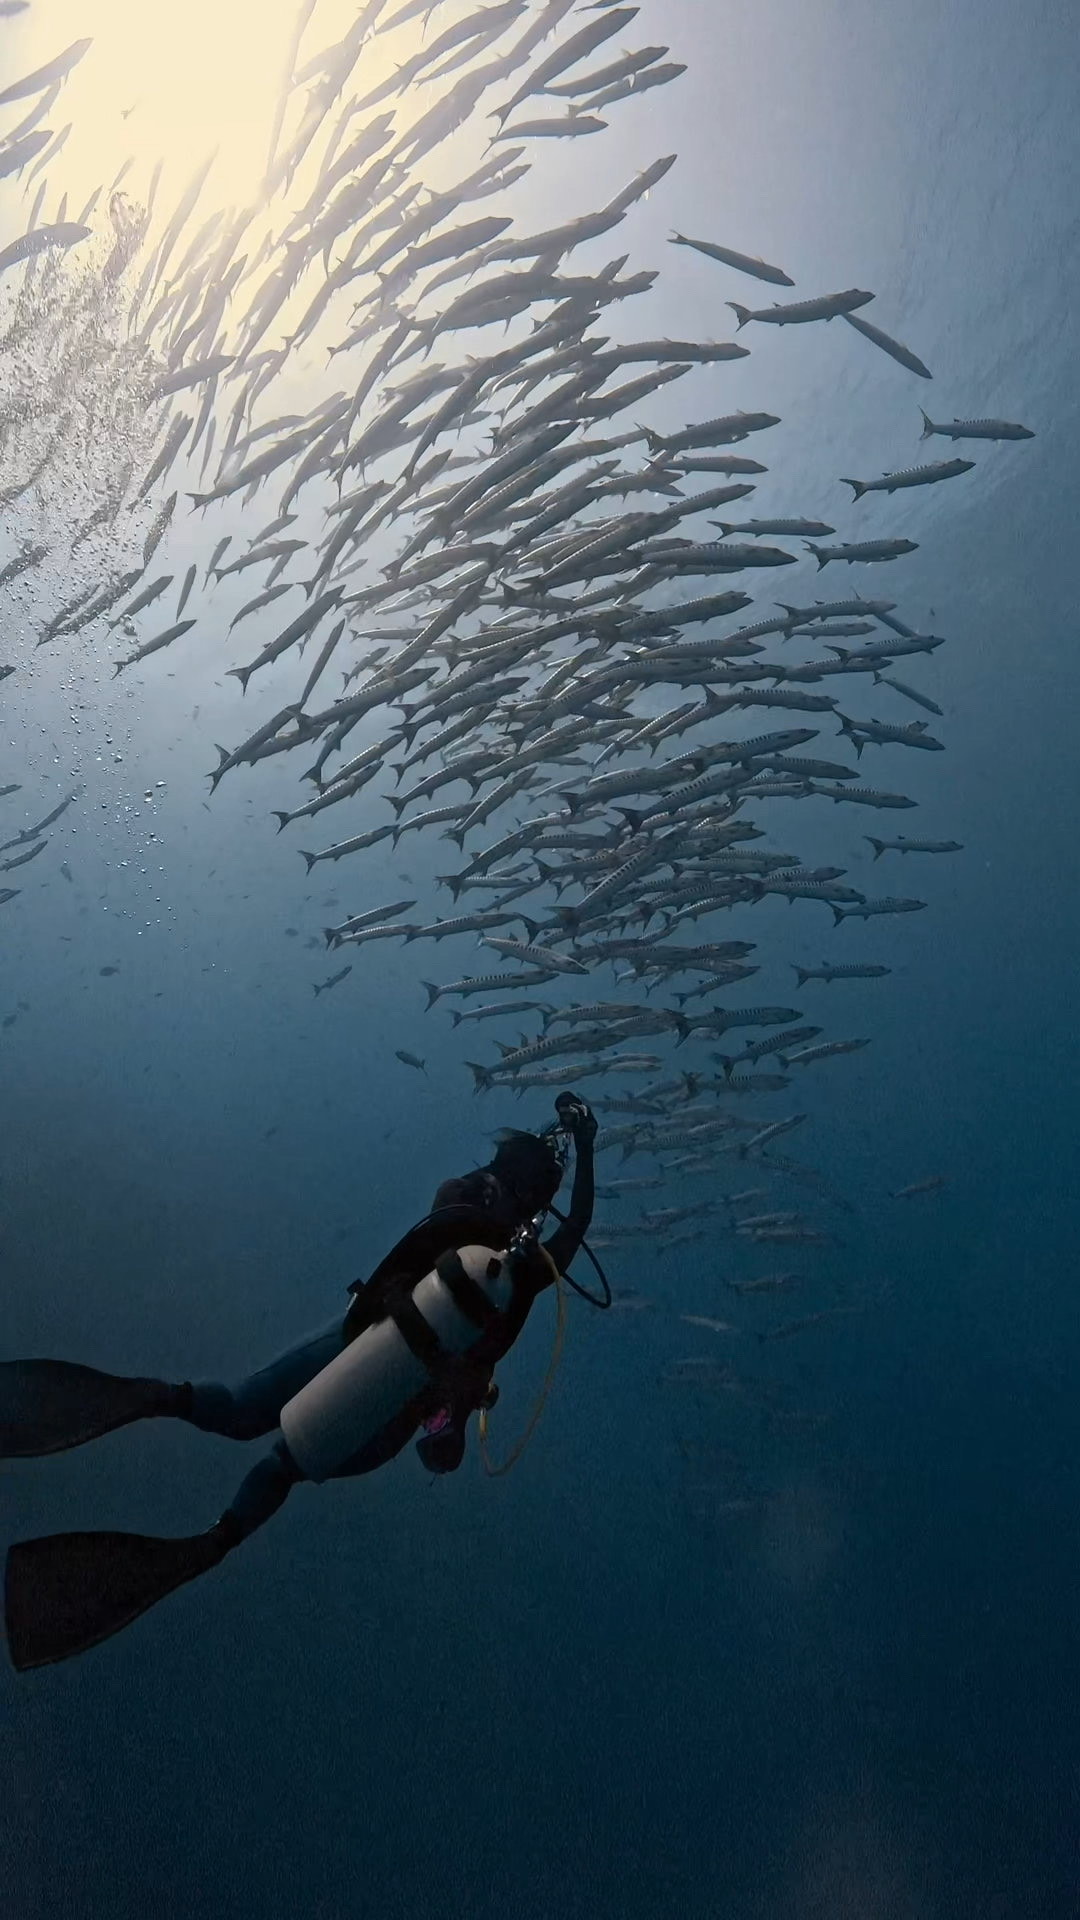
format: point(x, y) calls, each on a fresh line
point(469, 1297)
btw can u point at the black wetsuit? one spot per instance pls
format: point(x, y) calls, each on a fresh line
point(253, 1407)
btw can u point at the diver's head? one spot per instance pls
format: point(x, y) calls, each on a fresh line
point(527, 1166)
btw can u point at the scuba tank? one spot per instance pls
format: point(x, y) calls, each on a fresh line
point(389, 1363)
point(397, 1328)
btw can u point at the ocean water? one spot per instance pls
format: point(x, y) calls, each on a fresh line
point(802, 1651)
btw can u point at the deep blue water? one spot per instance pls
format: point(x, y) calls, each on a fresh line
point(585, 1690)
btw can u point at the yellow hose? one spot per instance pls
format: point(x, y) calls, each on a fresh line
point(494, 1472)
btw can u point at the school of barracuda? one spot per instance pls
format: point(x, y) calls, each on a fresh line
point(513, 569)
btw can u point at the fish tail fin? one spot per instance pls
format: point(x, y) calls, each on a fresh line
point(655, 441)
point(399, 806)
point(742, 314)
point(682, 1028)
point(281, 818)
point(200, 499)
point(878, 845)
point(310, 858)
point(330, 934)
point(433, 993)
point(838, 914)
point(784, 1061)
point(573, 800)
point(481, 1076)
point(318, 990)
point(567, 917)
point(725, 526)
point(243, 674)
point(801, 976)
point(858, 486)
point(532, 927)
point(633, 817)
point(821, 558)
point(928, 425)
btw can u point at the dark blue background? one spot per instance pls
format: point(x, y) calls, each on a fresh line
point(584, 1690)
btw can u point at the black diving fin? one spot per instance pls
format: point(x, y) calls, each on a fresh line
point(66, 1592)
point(47, 1406)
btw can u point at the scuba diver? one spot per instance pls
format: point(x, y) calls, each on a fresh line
point(416, 1348)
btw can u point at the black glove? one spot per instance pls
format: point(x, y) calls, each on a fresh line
point(576, 1114)
point(463, 1383)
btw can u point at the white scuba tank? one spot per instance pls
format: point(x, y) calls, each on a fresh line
point(377, 1374)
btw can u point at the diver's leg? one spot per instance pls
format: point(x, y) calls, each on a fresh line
point(246, 1411)
point(257, 1499)
point(69, 1591)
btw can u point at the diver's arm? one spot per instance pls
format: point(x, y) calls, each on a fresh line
point(567, 1238)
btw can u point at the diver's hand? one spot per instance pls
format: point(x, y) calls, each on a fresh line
point(466, 1382)
point(576, 1114)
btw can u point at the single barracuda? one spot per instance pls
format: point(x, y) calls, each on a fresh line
point(729, 428)
point(774, 526)
point(826, 307)
point(42, 77)
point(827, 1049)
point(913, 846)
point(879, 733)
point(742, 262)
point(65, 233)
point(865, 550)
point(28, 834)
point(334, 980)
point(155, 645)
point(862, 796)
point(869, 908)
point(975, 429)
point(487, 983)
point(909, 477)
point(499, 1010)
point(894, 348)
point(851, 970)
point(359, 843)
point(144, 599)
point(21, 859)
